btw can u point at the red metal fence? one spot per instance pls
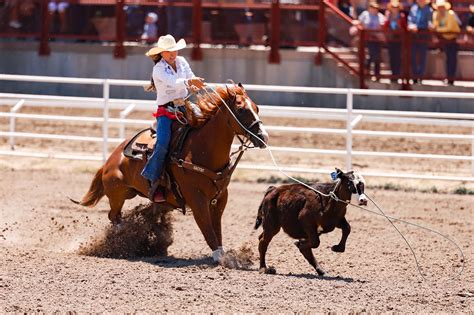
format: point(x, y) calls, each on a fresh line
point(277, 24)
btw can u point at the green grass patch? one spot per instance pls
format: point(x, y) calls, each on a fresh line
point(463, 191)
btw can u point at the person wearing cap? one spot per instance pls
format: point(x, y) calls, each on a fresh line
point(150, 31)
point(372, 19)
point(171, 78)
point(419, 21)
point(395, 23)
point(446, 23)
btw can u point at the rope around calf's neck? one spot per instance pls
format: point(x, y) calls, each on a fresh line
point(333, 196)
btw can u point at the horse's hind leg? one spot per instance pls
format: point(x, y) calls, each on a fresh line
point(117, 198)
point(346, 229)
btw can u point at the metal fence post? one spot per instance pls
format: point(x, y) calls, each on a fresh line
point(14, 109)
point(349, 130)
point(105, 124)
point(123, 114)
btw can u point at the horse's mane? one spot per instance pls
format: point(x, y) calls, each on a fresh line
point(209, 104)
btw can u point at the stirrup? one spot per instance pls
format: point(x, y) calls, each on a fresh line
point(153, 190)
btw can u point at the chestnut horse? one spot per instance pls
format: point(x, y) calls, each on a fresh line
point(224, 114)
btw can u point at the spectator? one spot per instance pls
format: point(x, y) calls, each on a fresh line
point(150, 30)
point(345, 7)
point(372, 19)
point(18, 11)
point(59, 7)
point(419, 21)
point(445, 22)
point(13, 19)
point(396, 22)
point(470, 20)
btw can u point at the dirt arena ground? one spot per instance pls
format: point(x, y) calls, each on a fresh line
point(43, 236)
point(41, 232)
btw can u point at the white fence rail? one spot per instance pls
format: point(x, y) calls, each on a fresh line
point(351, 116)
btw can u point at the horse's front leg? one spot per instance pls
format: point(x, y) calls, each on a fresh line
point(202, 215)
point(216, 215)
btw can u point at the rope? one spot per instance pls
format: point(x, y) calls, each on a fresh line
point(333, 196)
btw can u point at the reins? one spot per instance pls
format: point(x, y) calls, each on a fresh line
point(333, 196)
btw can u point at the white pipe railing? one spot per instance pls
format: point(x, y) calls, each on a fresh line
point(106, 103)
point(123, 115)
point(14, 109)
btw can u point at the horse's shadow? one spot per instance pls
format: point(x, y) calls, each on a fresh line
point(324, 278)
point(174, 262)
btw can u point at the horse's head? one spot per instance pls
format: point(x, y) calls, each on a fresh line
point(246, 112)
point(355, 184)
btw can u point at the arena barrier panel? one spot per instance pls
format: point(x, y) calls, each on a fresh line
point(350, 115)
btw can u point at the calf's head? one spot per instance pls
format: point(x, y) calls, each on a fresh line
point(355, 183)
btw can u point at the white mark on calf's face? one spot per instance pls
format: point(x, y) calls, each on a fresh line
point(358, 178)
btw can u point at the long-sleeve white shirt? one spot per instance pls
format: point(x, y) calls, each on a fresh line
point(170, 84)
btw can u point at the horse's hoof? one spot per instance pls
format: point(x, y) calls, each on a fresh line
point(218, 254)
point(118, 227)
point(338, 249)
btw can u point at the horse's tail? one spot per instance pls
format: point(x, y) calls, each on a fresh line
point(95, 193)
point(263, 206)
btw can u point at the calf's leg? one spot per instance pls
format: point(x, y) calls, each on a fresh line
point(346, 229)
point(264, 240)
point(305, 248)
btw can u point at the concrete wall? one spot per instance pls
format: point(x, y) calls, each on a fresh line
point(240, 65)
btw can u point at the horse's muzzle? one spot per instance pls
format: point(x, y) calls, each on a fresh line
point(260, 141)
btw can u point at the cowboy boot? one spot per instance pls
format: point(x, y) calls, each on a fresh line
point(155, 193)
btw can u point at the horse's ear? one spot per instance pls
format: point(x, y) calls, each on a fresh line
point(229, 92)
point(240, 85)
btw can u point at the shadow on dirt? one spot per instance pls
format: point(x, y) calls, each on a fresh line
point(324, 278)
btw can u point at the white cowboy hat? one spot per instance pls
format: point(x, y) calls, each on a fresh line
point(166, 43)
point(442, 3)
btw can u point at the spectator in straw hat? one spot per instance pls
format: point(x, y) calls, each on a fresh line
point(171, 78)
point(395, 23)
point(372, 19)
point(445, 22)
point(419, 22)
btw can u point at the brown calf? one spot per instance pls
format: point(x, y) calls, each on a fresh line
point(304, 214)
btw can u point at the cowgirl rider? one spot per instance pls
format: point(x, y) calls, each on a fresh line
point(171, 78)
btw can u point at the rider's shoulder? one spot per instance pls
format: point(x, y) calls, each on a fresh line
point(182, 59)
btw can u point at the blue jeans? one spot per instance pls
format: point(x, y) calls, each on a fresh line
point(451, 49)
point(375, 50)
point(154, 166)
point(419, 51)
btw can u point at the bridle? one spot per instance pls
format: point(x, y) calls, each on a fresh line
point(248, 134)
